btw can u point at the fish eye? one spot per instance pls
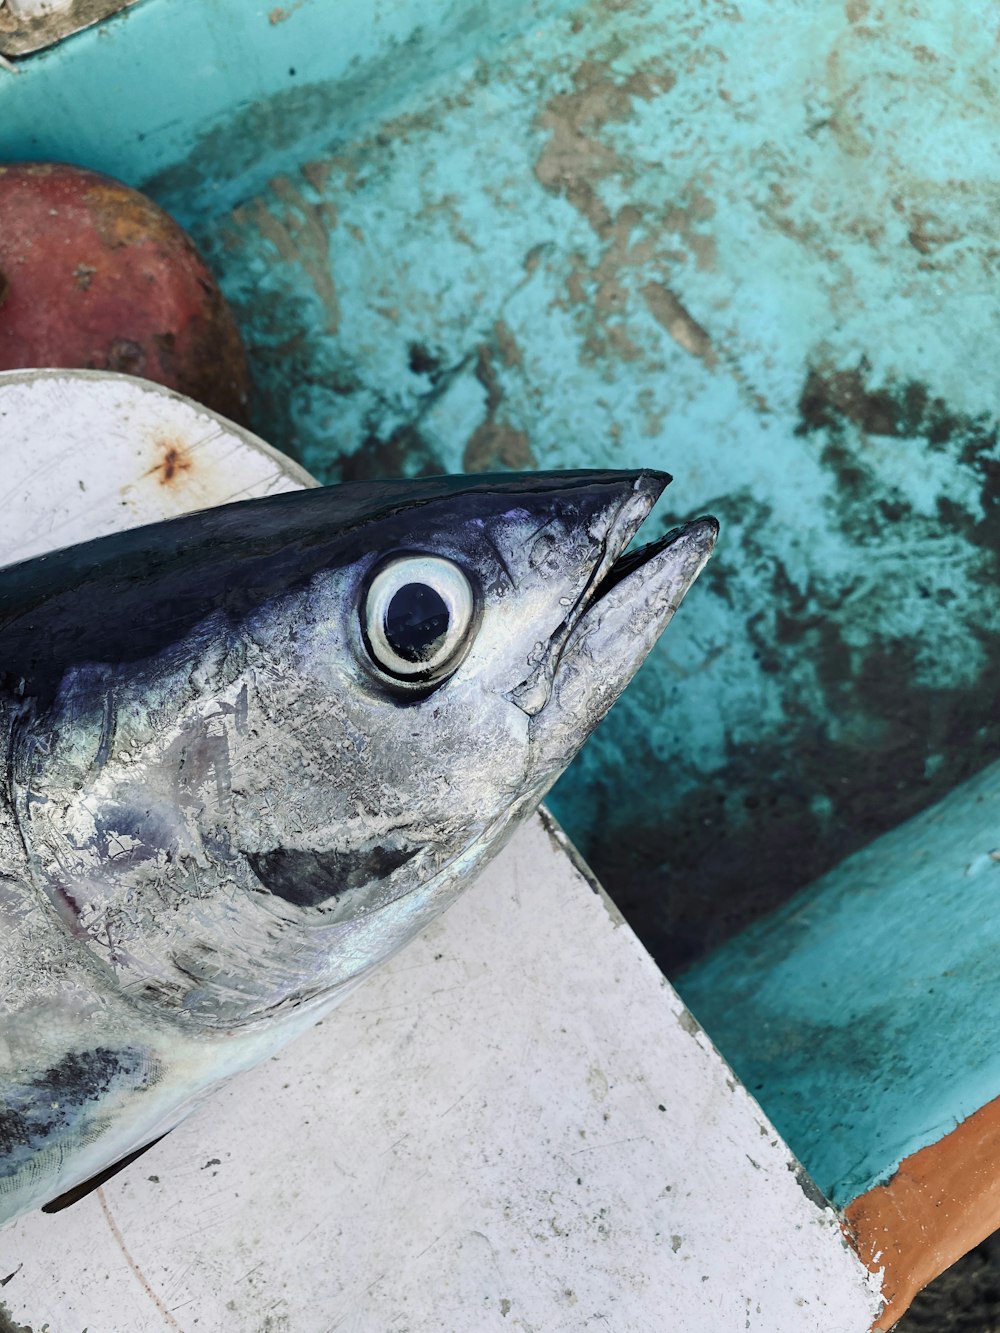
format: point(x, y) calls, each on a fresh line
point(416, 618)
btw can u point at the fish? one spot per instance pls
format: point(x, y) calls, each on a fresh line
point(252, 751)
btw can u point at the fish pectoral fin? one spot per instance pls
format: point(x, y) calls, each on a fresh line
point(86, 1187)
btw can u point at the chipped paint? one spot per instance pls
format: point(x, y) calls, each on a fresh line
point(941, 1202)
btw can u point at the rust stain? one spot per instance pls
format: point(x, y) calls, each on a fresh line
point(140, 1276)
point(280, 14)
point(175, 459)
point(942, 1202)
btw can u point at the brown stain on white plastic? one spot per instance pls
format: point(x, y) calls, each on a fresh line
point(175, 461)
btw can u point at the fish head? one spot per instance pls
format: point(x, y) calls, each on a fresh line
point(468, 647)
point(340, 706)
point(252, 751)
point(480, 638)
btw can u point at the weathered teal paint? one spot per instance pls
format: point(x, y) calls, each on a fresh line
point(861, 1015)
point(731, 242)
point(751, 242)
point(230, 90)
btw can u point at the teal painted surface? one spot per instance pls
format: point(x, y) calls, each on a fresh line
point(863, 1015)
point(205, 99)
point(754, 243)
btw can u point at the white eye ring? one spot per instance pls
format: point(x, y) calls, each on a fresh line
point(416, 617)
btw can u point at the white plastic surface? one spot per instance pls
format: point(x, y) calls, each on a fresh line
point(514, 1125)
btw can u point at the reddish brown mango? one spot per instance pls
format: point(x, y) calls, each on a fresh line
point(93, 275)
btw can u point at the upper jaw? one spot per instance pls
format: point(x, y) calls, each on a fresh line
point(533, 692)
point(613, 637)
point(612, 577)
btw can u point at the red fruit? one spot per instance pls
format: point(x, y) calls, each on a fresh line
point(95, 276)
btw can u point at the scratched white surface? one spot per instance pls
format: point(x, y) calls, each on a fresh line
point(86, 453)
point(514, 1125)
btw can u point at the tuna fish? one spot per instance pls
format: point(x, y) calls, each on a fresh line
point(252, 751)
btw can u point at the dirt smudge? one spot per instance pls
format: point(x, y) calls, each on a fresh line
point(496, 443)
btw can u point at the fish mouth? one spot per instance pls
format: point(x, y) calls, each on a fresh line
point(625, 603)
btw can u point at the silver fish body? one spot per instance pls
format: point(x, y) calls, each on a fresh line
point(252, 751)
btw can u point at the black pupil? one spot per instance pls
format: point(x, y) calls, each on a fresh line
point(416, 620)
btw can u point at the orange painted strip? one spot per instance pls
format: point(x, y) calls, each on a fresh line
point(942, 1201)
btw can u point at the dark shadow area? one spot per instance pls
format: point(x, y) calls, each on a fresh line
point(964, 1299)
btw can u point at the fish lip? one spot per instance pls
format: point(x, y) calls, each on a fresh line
point(626, 565)
point(612, 638)
point(698, 536)
point(533, 692)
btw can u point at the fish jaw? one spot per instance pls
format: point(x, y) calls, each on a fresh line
point(611, 636)
point(617, 529)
